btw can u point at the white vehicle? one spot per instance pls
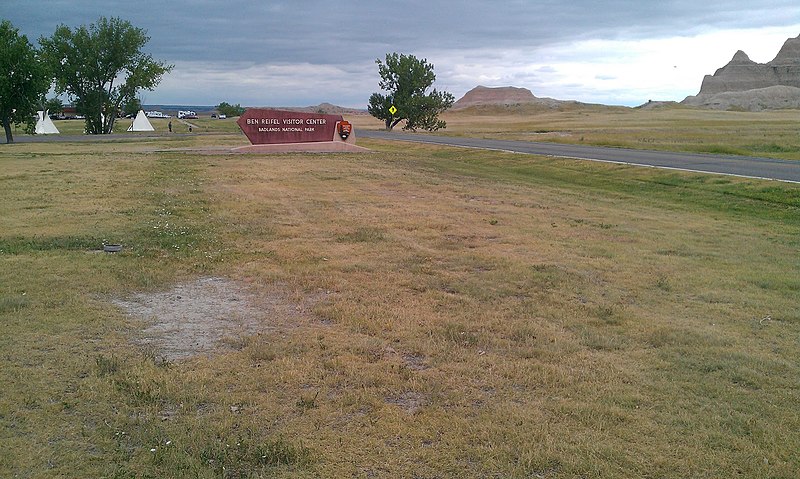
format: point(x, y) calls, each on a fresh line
point(188, 114)
point(156, 114)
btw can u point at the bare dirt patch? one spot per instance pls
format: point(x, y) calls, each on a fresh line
point(409, 401)
point(205, 316)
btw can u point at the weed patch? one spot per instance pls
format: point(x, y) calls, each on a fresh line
point(362, 235)
point(22, 245)
point(13, 304)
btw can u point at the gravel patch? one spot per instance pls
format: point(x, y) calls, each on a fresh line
point(205, 316)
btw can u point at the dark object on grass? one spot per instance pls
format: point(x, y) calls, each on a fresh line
point(112, 248)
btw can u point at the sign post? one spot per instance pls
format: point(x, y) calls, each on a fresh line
point(281, 130)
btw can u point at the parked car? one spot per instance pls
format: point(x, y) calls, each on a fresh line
point(187, 114)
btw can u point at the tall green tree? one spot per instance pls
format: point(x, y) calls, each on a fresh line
point(131, 107)
point(53, 105)
point(23, 79)
point(102, 67)
point(406, 80)
point(230, 110)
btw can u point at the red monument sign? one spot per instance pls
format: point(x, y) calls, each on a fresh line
point(281, 131)
point(267, 127)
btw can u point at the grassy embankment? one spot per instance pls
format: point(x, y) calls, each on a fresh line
point(772, 134)
point(477, 314)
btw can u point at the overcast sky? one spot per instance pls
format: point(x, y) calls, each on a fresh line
point(300, 53)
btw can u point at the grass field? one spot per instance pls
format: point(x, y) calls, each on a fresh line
point(201, 125)
point(448, 313)
point(772, 134)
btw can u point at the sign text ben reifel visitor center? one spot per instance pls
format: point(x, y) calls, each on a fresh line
point(264, 126)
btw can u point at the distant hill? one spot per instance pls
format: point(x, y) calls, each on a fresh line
point(506, 95)
point(509, 98)
point(743, 84)
point(326, 108)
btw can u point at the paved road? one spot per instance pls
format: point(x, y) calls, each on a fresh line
point(751, 167)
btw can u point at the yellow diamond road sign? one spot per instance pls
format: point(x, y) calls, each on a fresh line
point(392, 110)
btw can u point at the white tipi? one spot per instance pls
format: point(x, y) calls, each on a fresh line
point(141, 123)
point(44, 125)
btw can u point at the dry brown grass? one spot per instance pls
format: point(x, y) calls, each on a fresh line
point(547, 320)
point(472, 314)
point(769, 133)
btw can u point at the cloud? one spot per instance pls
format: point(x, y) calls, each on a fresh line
point(286, 53)
point(254, 84)
point(626, 72)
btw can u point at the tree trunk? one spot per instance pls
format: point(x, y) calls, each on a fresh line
point(7, 128)
point(389, 124)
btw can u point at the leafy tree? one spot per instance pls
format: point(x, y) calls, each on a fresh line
point(53, 105)
point(102, 67)
point(230, 110)
point(23, 79)
point(406, 79)
point(132, 107)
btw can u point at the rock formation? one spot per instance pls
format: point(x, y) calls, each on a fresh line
point(507, 95)
point(325, 108)
point(503, 96)
point(747, 85)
